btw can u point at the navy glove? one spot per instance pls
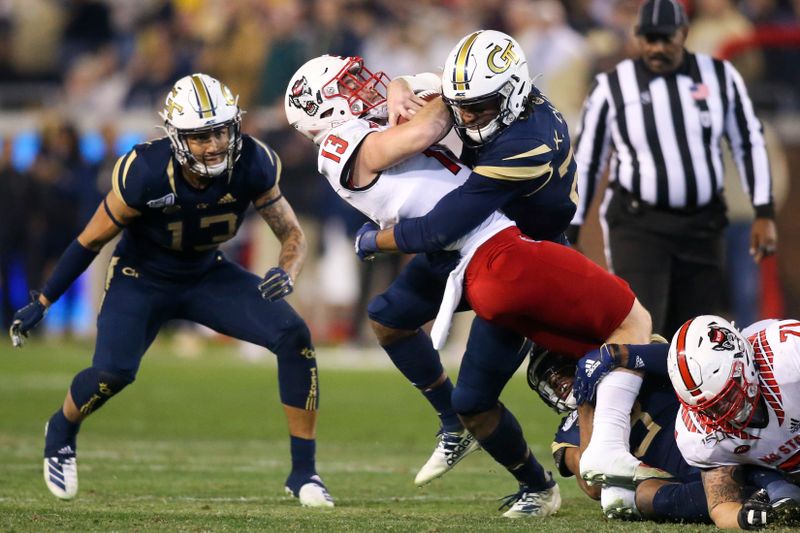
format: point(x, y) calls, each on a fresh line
point(367, 241)
point(276, 285)
point(591, 369)
point(25, 319)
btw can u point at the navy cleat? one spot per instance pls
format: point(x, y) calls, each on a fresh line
point(311, 492)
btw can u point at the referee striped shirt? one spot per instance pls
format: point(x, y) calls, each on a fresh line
point(663, 135)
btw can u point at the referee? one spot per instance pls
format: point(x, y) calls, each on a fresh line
point(660, 120)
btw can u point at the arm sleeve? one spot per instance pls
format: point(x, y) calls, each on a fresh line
point(652, 358)
point(746, 138)
point(457, 213)
point(592, 147)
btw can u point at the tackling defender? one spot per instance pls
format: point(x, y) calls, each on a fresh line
point(175, 200)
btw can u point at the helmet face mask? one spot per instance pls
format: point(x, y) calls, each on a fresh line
point(551, 377)
point(713, 371)
point(486, 65)
point(196, 106)
point(330, 90)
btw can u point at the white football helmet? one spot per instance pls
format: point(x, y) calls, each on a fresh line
point(486, 66)
point(713, 371)
point(551, 376)
point(199, 104)
point(330, 90)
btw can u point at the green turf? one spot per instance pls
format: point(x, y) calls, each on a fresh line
point(201, 445)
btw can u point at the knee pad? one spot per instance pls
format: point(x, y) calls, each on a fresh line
point(92, 387)
point(468, 401)
point(298, 382)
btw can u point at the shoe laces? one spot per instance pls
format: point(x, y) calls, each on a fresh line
point(452, 443)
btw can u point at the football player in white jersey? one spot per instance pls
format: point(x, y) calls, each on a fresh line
point(740, 405)
point(389, 176)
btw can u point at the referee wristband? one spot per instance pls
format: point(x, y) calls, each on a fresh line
point(765, 211)
point(75, 259)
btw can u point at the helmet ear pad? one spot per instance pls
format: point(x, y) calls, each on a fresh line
point(713, 371)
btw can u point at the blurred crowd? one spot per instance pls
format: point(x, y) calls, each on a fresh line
point(91, 73)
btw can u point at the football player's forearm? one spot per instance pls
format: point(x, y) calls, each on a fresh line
point(294, 249)
point(723, 493)
point(385, 240)
point(726, 515)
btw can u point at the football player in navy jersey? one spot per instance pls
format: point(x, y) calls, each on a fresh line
point(175, 200)
point(519, 148)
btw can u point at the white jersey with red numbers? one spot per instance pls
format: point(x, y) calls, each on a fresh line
point(777, 445)
point(409, 189)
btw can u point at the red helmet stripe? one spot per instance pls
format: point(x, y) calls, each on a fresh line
point(683, 366)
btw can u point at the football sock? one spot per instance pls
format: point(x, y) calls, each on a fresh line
point(416, 359)
point(61, 436)
point(303, 462)
point(616, 394)
point(681, 502)
point(506, 444)
point(776, 485)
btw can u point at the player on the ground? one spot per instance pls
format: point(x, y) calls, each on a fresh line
point(740, 398)
point(337, 103)
point(175, 200)
point(652, 440)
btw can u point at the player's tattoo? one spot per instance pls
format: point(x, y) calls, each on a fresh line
point(277, 212)
point(721, 485)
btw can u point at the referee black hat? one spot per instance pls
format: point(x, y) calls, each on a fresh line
point(661, 17)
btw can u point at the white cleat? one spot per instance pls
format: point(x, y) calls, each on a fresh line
point(451, 448)
point(61, 476)
point(533, 504)
point(619, 503)
point(616, 467)
point(312, 494)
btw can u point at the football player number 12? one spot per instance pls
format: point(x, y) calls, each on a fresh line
point(334, 147)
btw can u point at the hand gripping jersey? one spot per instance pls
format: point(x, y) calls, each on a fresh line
point(777, 353)
point(180, 227)
point(409, 189)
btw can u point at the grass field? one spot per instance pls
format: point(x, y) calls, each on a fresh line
point(201, 445)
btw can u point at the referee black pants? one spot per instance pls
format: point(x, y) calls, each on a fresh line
point(673, 260)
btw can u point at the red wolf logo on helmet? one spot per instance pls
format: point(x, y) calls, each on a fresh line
point(301, 97)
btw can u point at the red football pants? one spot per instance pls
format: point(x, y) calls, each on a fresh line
point(547, 292)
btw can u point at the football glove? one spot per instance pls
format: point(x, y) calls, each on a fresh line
point(756, 512)
point(592, 367)
point(25, 319)
point(367, 241)
point(277, 284)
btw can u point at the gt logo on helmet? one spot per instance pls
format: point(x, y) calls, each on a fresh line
point(508, 56)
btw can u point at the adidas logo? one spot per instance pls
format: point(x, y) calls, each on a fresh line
point(794, 425)
point(639, 363)
point(66, 450)
point(227, 199)
point(590, 367)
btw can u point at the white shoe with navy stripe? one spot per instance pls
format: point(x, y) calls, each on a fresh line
point(313, 493)
point(61, 476)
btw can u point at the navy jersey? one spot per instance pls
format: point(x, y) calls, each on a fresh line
point(180, 227)
point(527, 172)
point(652, 431)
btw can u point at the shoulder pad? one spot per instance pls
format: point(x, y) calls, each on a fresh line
point(262, 164)
point(135, 173)
point(339, 146)
point(516, 158)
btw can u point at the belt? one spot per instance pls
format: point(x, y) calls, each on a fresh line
point(635, 205)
